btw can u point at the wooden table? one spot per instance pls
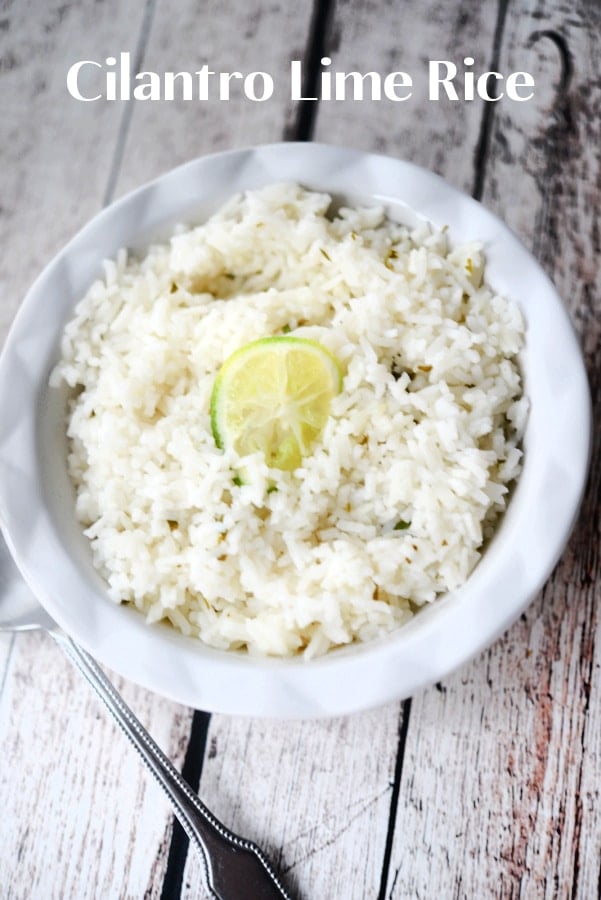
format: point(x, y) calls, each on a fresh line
point(486, 785)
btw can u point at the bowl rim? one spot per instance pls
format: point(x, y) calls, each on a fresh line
point(457, 627)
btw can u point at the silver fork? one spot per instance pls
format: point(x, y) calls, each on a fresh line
point(234, 867)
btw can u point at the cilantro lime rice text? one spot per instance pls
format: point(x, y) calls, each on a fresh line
point(390, 507)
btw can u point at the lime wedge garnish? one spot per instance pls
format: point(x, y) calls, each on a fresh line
point(274, 396)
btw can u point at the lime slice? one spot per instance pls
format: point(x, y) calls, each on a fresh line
point(274, 396)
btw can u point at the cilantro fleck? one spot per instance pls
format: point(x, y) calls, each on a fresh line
point(401, 525)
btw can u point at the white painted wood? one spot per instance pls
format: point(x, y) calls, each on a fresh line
point(503, 765)
point(79, 816)
point(587, 862)
point(275, 799)
point(85, 818)
point(316, 795)
point(91, 823)
point(345, 862)
point(228, 36)
point(499, 794)
point(404, 37)
point(54, 163)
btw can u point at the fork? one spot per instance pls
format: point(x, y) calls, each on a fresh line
point(234, 867)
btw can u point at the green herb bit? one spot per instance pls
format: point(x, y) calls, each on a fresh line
point(286, 329)
point(397, 370)
point(401, 525)
point(326, 255)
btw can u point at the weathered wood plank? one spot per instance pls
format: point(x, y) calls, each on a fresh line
point(316, 795)
point(164, 135)
point(563, 161)
point(114, 855)
point(503, 764)
point(387, 37)
point(500, 784)
point(80, 816)
point(331, 783)
point(86, 820)
point(227, 36)
point(54, 165)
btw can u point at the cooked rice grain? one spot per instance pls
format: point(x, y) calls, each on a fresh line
point(411, 473)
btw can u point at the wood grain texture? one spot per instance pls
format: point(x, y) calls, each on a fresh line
point(54, 167)
point(316, 795)
point(499, 795)
point(510, 807)
point(91, 822)
point(387, 37)
point(79, 813)
point(262, 782)
point(114, 151)
point(228, 36)
point(356, 39)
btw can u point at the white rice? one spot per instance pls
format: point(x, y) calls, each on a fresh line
point(392, 507)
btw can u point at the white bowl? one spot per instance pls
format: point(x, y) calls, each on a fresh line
point(37, 501)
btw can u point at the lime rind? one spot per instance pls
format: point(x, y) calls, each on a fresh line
point(285, 421)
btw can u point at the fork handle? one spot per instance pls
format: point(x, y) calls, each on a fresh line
point(234, 867)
